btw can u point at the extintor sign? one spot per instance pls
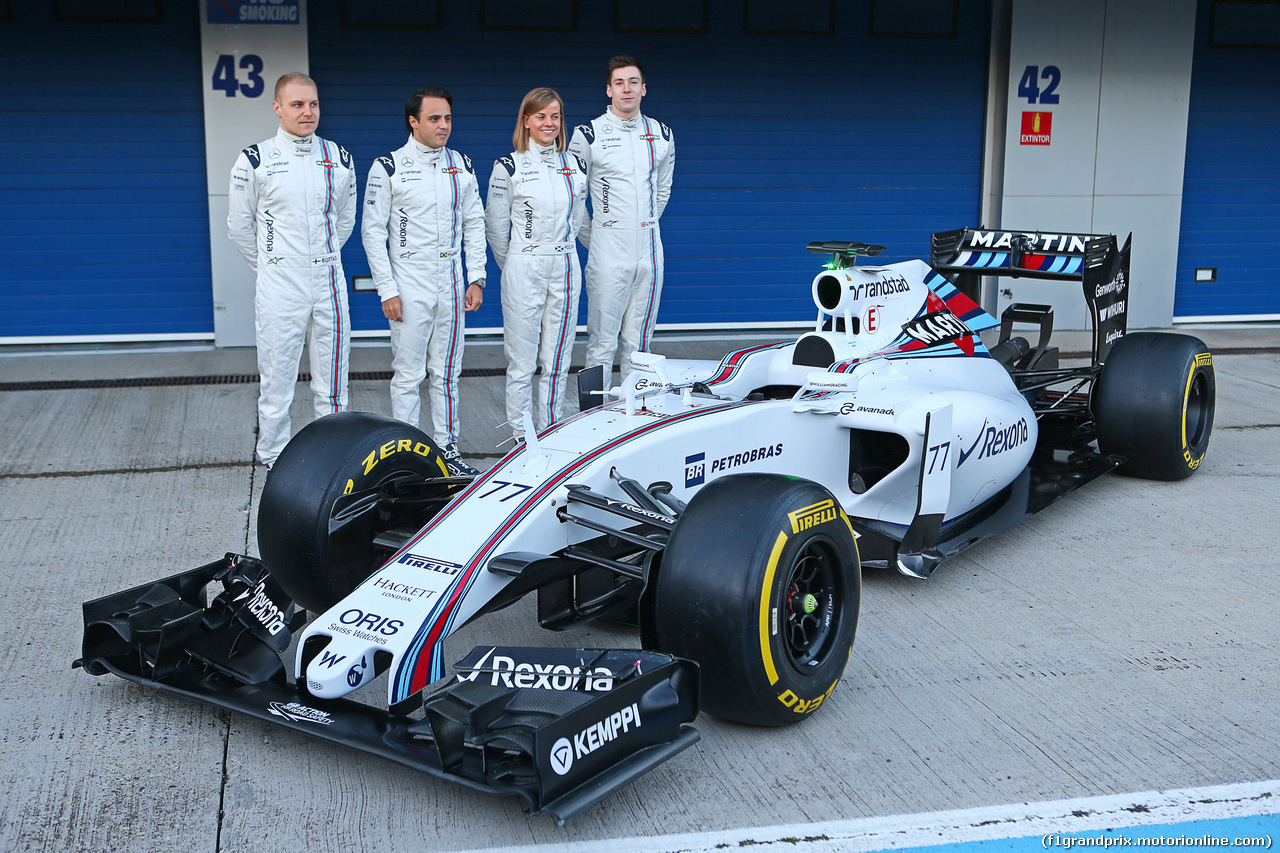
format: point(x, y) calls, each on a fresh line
point(1036, 128)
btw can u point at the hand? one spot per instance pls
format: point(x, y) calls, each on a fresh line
point(391, 309)
point(475, 297)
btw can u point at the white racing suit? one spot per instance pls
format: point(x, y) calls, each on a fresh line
point(291, 206)
point(630, 165)
point(420, 204)
point(537, 201)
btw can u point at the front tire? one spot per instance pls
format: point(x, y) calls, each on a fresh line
point(1154, 403)
point(332, 456)
point(760, 584)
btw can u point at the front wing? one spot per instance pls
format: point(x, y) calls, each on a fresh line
point(562, 745)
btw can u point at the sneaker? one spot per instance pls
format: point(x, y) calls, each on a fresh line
point(453, 460)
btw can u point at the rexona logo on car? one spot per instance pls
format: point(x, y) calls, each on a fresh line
point(812, 515)
point(565, 751)
point(508, 672)
point(263, 608)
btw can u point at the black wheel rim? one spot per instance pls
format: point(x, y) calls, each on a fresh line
point(814, 598)
point(1197, 415)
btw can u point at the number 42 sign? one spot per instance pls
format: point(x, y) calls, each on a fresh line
point(1037, 125)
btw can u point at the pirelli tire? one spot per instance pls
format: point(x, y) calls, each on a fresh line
point(760, 584)
point(1154, 403)
point(332, 456)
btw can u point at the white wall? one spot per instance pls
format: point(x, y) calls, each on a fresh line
point(1115, 156)
point(232, 123)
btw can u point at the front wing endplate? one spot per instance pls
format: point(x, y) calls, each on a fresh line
point(562, 747)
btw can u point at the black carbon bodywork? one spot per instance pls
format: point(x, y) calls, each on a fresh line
point(560, 728)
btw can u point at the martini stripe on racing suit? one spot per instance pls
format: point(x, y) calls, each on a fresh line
point(630, 164)
point(537, 201)
point(291, 207)
point(422, 208)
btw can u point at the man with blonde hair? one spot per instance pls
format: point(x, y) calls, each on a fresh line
point(291, 206)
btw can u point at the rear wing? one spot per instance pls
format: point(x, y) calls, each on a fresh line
point(1092, 259)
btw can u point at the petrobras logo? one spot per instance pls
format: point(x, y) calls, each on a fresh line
point(565, 750)
point(695, 470)
point(252, 11)
point(430, 564)
point(502, 670)
point(725, 463)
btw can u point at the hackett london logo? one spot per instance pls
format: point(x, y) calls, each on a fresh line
point(1037, 127)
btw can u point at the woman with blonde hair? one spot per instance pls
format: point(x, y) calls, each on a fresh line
point(536, 204)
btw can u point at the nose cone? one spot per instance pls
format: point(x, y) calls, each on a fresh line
point(335, 672)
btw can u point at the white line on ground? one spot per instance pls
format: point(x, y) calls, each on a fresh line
point(1120, 811)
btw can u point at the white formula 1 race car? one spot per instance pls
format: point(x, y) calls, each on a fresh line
point(725, 508)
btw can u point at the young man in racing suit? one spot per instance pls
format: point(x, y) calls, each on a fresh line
point(291, 206)
point(422, 202)
point(537, 202)
point(630, 161)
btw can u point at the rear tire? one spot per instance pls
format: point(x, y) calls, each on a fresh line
point(330, 457)
point(760, 584)
point(1154, 403)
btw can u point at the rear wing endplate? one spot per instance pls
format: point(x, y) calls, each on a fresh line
point(1095, 260)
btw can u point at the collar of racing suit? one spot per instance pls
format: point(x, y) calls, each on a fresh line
point(296, 144)
point(544, 152)
point(425, 152)
point(628, 124)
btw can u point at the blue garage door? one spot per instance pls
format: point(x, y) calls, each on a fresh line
point(1231, 191)
point(104, 223)
point(780, 139)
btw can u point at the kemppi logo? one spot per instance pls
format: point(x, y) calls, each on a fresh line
point(404, 228)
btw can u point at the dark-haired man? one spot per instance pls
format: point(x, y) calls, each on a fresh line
point(630, 161)
point(292, 204)
point(421, 204)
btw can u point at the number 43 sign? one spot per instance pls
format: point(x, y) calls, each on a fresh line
point(225, 79)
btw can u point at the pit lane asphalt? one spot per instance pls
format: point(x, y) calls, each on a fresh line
point(1126, 639)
